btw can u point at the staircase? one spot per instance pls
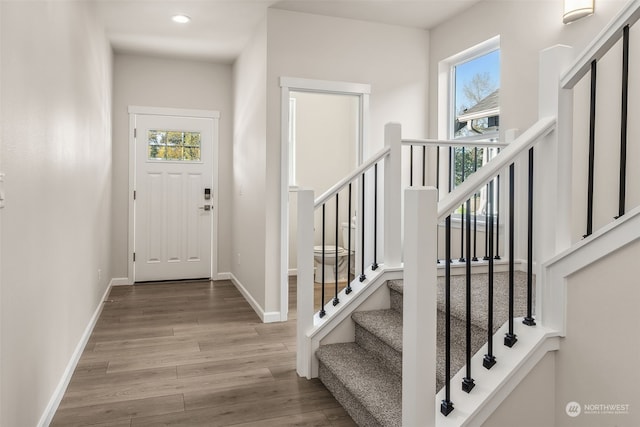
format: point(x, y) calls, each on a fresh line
point(365, 376)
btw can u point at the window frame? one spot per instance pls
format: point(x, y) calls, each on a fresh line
point(446, 102)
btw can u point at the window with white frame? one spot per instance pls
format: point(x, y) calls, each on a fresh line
point(474, 111)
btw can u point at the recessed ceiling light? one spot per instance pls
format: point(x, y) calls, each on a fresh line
point(181, 19)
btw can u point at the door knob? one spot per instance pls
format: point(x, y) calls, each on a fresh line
point(206, 207)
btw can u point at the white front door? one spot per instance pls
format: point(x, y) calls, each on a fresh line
point(173, 197)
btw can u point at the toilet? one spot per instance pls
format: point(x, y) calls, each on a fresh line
point(330, 257)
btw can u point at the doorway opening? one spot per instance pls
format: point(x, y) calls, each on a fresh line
point(324, 129)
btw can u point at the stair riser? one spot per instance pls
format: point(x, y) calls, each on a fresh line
point(396, 300)
point(390, 357)
point(354, 408)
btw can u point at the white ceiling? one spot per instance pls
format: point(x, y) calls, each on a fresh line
point(220, 28)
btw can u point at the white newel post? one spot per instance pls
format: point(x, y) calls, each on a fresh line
point(419, 307)
point(305, 281)
point(553, 184)
point(393, 196)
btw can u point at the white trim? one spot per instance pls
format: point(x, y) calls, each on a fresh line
point(551, 301)
point(56, 398)
point(266, 317)
point(177, 112)
point(308, 85)
point(131, 206)
point(120, 281)
point(222, 276)
point(312, 85)
point(134, 111)
point(495, 385)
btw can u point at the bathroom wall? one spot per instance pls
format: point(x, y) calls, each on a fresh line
point(326, 135)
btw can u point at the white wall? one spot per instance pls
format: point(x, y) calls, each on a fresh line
point(56, 152)
point(393, 60)
point(177, 83)
point(533, 401)
point(249, 164)
point(597, 361)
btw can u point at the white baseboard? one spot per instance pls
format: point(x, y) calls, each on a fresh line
point(56, 398)
point(222, 276)
point(266, 317)
point(120, 281)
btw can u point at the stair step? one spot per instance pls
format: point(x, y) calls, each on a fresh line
point(395, 292)
point(370, 393)
point(479, 297)
point(380, 333)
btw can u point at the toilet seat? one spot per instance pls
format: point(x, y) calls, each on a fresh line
point(329, 250)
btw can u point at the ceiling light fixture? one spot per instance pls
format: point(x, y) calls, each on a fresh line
point(576, 9)
point(181, 19)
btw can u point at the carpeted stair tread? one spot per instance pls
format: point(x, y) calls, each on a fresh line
point(384, 324)
point(479, 297)
point(375, 387)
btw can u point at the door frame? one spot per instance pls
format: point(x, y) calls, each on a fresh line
point(134, 111)
point(287, 85)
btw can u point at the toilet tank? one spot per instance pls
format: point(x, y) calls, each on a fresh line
point(345, 235)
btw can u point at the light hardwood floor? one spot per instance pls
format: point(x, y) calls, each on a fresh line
point(192, 354)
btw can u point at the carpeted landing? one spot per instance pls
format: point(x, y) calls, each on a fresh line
point(366, 376)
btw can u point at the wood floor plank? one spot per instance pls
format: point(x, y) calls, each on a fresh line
point(309, 419)
point(234, 364)
point(244, 412)
point(223, 353)
point(157, 347)
point(119, 411)
point(144, 389)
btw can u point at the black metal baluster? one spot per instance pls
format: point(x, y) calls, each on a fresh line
point(374, 266)
point(592, 147)
point(462, 259)
point(348, 290)
point(467, 381)
point(437, 167)
point(497, 252)
point(451, 178)
point(411, 166)
point(336, 301)
point(475, 209)
point(424, 165)
point(510, 337)
point(322, 311)
point(362, 275)
point(489, 359)
point(623, 121)
point(447, 405)
point(486, 228)
point(529, 320)
point(437, 188)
